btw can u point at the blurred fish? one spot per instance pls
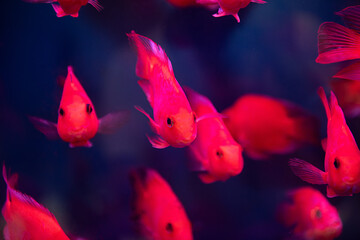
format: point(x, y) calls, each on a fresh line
point(157, 210)
point(228, 7)
point(342, 157)
point(27, 219)
point(174, 122)
point(310, 215)
point(347, 87)
point(337, 43)
point(182, 3)
point(77, 120)
point(215, 153)
point(264, 126)
point(68, 7)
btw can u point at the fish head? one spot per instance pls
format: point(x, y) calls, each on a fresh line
point(225, 160)
point(179, 128)
point(174, 224)
point(77, 120)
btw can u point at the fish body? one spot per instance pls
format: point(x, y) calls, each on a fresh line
point(174, 121)
point(342, 156)
point(68, 7)
point(77, 120)
point(27, 219)
point(228, 7)
point(265, 126)
point(338, 43)
point(310, 215)
point(156, 209)
point(216, 155)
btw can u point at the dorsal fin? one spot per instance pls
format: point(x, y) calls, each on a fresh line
point(325, 102)
point(351, 17)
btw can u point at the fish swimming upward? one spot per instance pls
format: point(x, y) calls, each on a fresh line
point(228, 7)
point(156, 209)
point(337, 43)
point(342, 156)
point(174, 121)
point(27, 219)
point(77, 120)
point(68, 7)
point(310, 215)
point(216, 155)
point(265, 126)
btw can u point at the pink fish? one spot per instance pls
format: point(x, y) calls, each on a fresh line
point(342, 157)
point(310, 215)
point(77, 120)
point(174, 121)
point(68, 7)
point(156, 209)
point(216, 155)
point(228, 7)
point(337, 43)
point(27, 219)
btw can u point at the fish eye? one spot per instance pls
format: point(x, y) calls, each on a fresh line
point(336, 163)
point(219, 153)
point(169, 122)
point(61, 112)
point(194, 116)
point(318, 213)
point(88, 108)
point(169, 228)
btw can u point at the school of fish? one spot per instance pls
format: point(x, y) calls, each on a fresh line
point(258, 126)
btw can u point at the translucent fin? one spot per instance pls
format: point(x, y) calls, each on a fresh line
point(306, 171)
point(337, 43)
point(351, 72)
point(112, 122)
point(87, 144)
point(158, 142)
point(96, 5)
point(59, 11)
point(49, 129)
point(351, 17)
point(325, 102)
point(147, 89)
point(155, 127)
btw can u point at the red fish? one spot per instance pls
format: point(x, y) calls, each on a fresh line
point(157, 210)
point(217, 156)
point(337, 43)
point(182, 3)
point(347, 87)
point(68, 7)
point(228, 7)
point(264, 126)
point(27, 219)
point(77, 120)
point(342, 157)
point(310, 215)
point(174, 122)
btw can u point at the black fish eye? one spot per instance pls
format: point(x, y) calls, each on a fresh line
point(61, 112)
point(194, 117)
point(318, 213)
point(169, 228)
point(219, 153)
point(336, 163)
point(169, 122)
point(89, 108)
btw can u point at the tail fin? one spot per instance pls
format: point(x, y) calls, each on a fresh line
point(150, 57)
point(351, 72)
point(351, 17)
point(306, 171)
point(337, 43)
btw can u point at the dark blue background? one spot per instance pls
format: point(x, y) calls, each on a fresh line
point(272, 51)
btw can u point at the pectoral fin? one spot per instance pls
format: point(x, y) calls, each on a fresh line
point(307, 172)
point(49, 129)
point(112, 122)
point(158, 142)
point(155, 127)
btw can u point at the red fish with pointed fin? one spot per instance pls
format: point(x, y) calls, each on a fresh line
point(174, 121)
point(265, 126)
point(68, 7)
point(216, 155)
point(310, 215)
point(342, 157)
point(228, 7)
point(27, 219)
point(77, 120)
point(338, 43)
point(158, 212)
